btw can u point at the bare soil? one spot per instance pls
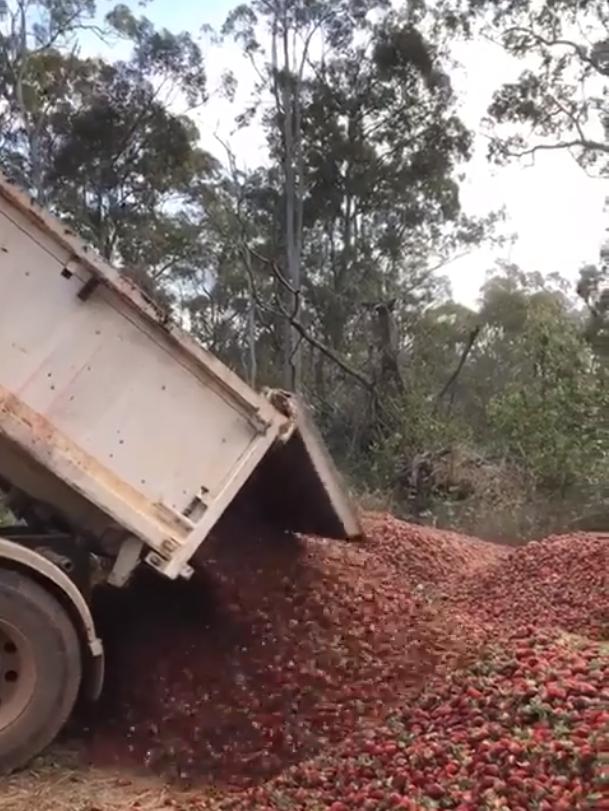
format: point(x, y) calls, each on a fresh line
point(59, 781)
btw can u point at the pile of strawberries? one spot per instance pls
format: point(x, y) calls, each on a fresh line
point(561, 582)
point(527, 727)
point(418, 669)
point(279, 648)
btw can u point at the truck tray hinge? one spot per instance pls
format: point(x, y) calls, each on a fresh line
point(85, 292)
point(127, 559)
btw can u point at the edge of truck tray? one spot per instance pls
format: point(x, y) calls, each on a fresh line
point(101, 272)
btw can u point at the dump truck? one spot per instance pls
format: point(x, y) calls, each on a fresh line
point(123, 442)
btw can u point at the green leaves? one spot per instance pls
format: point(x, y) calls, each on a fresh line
point(550, 417)
point(358, 201)
point(558, 101)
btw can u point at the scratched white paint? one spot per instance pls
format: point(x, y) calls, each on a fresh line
point(124, 408)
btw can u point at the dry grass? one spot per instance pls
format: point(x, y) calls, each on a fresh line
point(58, 782)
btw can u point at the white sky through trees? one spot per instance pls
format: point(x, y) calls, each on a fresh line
point(555, 210)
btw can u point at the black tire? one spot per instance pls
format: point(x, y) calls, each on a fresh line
point(40, 669)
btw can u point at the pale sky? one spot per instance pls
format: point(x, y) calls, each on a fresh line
point(554, 208)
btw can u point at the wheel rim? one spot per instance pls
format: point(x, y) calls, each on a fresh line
point(17, 673)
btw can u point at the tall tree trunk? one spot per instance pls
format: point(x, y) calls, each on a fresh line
point(252, 366)
point(292, 361)
point(36, 185)
point(287, 85)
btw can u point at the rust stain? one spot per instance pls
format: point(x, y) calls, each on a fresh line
point(127, 291)
point(45, 441)
point(19, 348)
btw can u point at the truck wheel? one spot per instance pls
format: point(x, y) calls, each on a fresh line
point(40, 668)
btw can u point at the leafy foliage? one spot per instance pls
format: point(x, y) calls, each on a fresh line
point(559, 101)
point(554, 427)
point(321, 268)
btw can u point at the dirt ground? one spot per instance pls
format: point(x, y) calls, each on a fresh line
point(59, 782)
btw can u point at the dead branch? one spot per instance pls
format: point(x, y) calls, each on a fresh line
point(247, 253)
point(281, 311)
point(469, 345)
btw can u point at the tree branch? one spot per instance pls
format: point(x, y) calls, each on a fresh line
point(247, 253)
point(558, 42)
point(473, 337)
point(297, 325)
point(576, 143)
